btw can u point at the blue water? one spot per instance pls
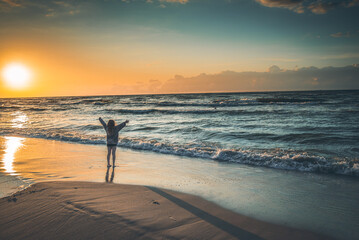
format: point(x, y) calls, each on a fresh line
point(314, 131)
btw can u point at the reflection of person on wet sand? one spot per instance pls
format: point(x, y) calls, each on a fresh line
point(112, 138)
point(112, 174)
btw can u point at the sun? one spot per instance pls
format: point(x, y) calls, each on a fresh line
point(16, 76)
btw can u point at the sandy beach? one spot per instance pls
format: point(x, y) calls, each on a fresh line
point(84, 210)
point(279, 201)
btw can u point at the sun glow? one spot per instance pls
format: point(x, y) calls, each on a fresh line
point(16, 76)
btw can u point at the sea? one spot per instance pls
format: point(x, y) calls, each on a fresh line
point(306, 131)
point(290, 158)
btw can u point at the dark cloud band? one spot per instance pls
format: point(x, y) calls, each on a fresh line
point(307, 78)
point(314, 6)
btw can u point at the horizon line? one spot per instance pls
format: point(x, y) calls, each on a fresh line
point(187, 93)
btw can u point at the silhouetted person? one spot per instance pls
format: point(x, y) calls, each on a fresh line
point(112, 138)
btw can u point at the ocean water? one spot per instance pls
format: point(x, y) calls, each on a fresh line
point(314, 131)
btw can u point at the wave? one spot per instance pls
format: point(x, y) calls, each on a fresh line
point(190, 129)
point(199, 112)
point(211, 110)
point(162, 111)
point(91, 127)
point(278, 159)
point(220, 103)
point(9, 107)
point(284, 100)
point(63, 109)
point(180, 104)
point(209, 106)
point(95, 102)
point(36, 109)
point(144, 129)
point(212, 104)
point(275, 159)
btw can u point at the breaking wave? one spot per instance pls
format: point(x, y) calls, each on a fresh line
point(278, 159)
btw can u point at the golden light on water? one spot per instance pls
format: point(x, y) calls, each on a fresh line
point(16, 76)
point(19, 120)
point(12, 144)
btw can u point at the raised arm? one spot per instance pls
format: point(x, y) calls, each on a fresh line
point(102, 122)
point(122, 125)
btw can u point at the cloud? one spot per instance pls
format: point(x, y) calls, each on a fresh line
point(340, 35)
point(53, 8)
point(58, 8)
point(286, 60)
point(306, 78)
point(274, 69)
point(294, 5)
point(160, 1)
point(314, 6)
point(353, 3)
point(7, 5)
point(340, 56)
point(49, 8)
point(12, 3)
point(323, 7)
point(175, 1)
point(154, 85)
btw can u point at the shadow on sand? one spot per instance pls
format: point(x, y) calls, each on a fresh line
point(217, 222)
point(110, 180)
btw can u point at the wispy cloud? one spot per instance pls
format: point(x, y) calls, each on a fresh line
point(160, 1)
point(59, 8)
point(286, 60)
point(294, 5)
point(319, 7)
point(314, 6)
point(340, 35)
point(163, 3)
point(175, 1)
point(12, 3)
point(7, 5)
point(340, 56)
point(51, 8)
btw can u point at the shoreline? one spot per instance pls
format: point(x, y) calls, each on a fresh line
point(60, 209)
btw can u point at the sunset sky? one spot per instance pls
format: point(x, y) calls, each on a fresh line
point(102, 47)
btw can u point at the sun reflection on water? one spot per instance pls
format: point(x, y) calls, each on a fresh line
point(19, 120)
point(12, 144)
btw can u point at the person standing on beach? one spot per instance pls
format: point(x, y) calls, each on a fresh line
point(112, 138)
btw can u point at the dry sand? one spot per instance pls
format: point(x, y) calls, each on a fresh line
point(84, 210)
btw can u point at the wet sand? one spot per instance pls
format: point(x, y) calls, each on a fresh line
point(84, 210)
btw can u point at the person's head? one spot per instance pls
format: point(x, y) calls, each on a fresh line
point(111, 126)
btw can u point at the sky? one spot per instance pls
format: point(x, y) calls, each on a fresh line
point(113, 47)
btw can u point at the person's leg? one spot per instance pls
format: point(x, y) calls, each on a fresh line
point(113, 155)
point(108, 156)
